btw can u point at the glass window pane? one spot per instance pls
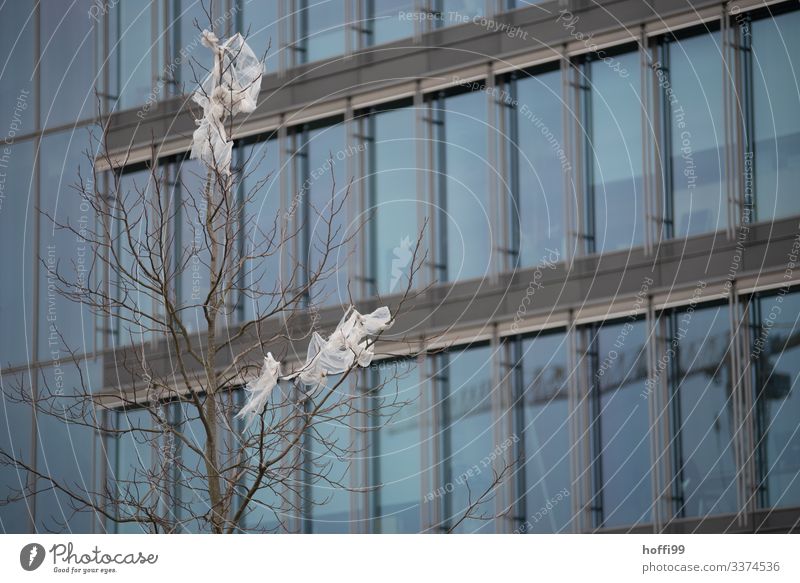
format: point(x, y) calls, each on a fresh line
point(66, 447)
point(389, 20)
point(130, 54)
point(459, 11)
point(191, 485)
point(322, 159)
point(546, 477)
point(16, 421)
point(322, 29)
point(132, 469)
point(329, 444)
point(621, 426)
point(776, 352)
point(17, 216)
point(264, 227)
point(465, 383)
point(134, 225)
point(464, 220)
point(538, 212)
point(393, 227)
point(775, 55)
point(66, 69)
point(615, 148)
point(191, 61)
point(704, 464)
point(395, 453)
point(698, 135)
point(191, 246)
point(261, 18)
point(63, 324)
point(17, 67)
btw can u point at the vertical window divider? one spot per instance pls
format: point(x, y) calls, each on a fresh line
point(496, 215)
point(740, 413)
point(655, 416)
point(647, 141)
point(732, 174)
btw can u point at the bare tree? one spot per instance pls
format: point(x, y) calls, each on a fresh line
point(197, 467)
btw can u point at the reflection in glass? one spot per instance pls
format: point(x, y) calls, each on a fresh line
point(131, 471)
point(63, 324)
point(15, 439)
point(775, 55)
point(542, 391)
point(260, 20)
point(130, 53)
point(264, 226)
point(17, 67)
point(393, 226)
point(698, 135)
point(464, 384)
point(702, 413)
point(131, 324)
point(395, 447)
point(387, 20)
point(327, 469)
point(65, 445)
point(66, 70)
point(776, 352)
point(321, 166)
point(615, 148)
point(17, 215)
point(321, 29)
point(537, 152)
point(464, 226)
point(620, 426)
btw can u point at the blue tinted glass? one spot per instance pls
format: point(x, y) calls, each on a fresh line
point(191, 485)
point(17, 67)
point(705, 470)
point(467, 438)
point(464, 202)
point(395, 452)
point(698, 135)
point(66, 68)
point(776, 54)
point(322, 29)
point(190, 60)
point(16, 421)
point(459, 11)
point(777, 356)
point(621, 426)
point(66, 447)
point(389, 19)
point(541, 162)
point(547, 483)
point(62, 251)
point(264, 227)
point(132, 230)
point(17, 216)
point(615, 148)
point(261, 18)
point(132, 468)
point(323, 159)
point(328, 464)
point(130, 53)
point(393, 228)
point(191, 245)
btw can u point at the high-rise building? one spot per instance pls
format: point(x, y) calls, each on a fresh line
point(609, 298)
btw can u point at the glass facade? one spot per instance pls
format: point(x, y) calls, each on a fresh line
point(697, 193)
point(393, 229)
point(620, 425)
point(543, 420)
point(461, 174)
point(452, 136)
point(395, 453)
point(615, 200)
point(777, 404)
point(464, 394)
point(775, 50)
point(538, 163)
point(702, 413)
